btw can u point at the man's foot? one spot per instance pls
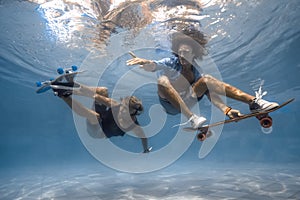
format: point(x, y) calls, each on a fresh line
point(197, 121)
point(64, 89)
point(258, 105)
point(65, 85)
point(62, 92)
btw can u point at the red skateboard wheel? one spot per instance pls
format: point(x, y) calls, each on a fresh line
point(201, 137)
point(266, 122)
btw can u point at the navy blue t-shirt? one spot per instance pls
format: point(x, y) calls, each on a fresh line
point(108, 124)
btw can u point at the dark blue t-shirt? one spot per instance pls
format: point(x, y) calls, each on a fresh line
point(108, 124)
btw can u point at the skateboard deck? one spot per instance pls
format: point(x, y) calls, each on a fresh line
point(262, 116)
point(63, 79)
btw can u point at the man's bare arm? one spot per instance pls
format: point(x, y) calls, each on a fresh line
point(147, 65)
point(138, 131)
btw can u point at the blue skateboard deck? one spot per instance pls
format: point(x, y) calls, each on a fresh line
point(63, 81)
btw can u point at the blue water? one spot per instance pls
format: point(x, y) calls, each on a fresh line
point(45, 153)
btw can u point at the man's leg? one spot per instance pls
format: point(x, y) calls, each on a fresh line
point(210, 83)
point(100, 94)
point(93, 127)
point(91, 91)
point(79, 109)
point(167, 91)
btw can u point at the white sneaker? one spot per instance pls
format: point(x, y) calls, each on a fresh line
point(197, 121)
point(262, 105)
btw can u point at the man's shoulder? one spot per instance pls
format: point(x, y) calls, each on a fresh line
point(171, 61)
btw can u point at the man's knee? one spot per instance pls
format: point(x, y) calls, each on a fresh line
point(201, 86)
point(163, 81)
point(207, 78)
point(103, 91)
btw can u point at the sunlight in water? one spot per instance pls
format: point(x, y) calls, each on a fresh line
point(93, 22)
point(72, 20)
point(66, 22)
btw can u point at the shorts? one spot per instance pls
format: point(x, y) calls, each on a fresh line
point(186, 97)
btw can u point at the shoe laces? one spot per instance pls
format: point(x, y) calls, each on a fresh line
point(259, 94)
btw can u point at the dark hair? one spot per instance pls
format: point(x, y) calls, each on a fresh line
point(190, 36)
point(135, 103)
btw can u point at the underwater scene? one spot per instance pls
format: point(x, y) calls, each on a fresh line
point(148, 99)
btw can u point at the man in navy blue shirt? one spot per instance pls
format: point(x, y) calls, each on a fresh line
point(108, 117)
point(180, 84)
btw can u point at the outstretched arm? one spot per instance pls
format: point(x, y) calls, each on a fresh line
point(138, 131)
point(147, 65)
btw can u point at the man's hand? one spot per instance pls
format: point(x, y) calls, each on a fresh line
point(147, 65)
point(234, 113)
point(147, 150)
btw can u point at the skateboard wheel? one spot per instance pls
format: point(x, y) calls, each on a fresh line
point(60, 70)
point(266, 122)
point(38, 83)
point(74, 68)
point(201, 137)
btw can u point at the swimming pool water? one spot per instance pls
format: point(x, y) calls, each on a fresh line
point(42, 152)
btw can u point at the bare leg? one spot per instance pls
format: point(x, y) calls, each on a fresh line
point(108, 102)
point(217, 101)
point(79, 109)
point(166, 90)
point(91, 91)
point(100, 94)
point(208, 82)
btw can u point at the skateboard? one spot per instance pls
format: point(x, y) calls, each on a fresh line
point(65, 80)
point(263, 117)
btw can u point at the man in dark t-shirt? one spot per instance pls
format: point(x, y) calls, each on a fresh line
point(113, 117)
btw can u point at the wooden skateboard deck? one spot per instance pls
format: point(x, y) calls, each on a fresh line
point(263, 117)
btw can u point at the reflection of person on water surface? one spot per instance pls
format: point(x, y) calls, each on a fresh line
point(180, 85)
point(113, 117)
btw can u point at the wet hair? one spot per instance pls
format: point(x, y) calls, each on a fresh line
point(192, 37)
point(135, 103)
